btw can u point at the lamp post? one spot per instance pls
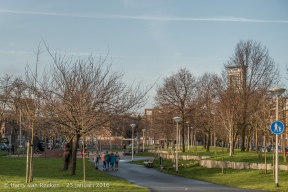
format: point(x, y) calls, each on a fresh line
point(177, 120)
point(20, 135)
point(133, 126)
point(188, 134)
point(100, 144)
point(110, 141)
point(191, 137)
point(143, 138)
point(20, 141)
point(277, 91)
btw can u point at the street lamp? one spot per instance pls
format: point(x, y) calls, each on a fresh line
point(143, 138)
point(277, 91)
point(133, 126)
point(100, 143)
point(20, 141)
point(177, 120)
point(110, 141)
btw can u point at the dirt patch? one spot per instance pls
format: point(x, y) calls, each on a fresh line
point(53, 153)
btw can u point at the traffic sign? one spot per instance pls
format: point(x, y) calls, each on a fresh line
point(277, 127)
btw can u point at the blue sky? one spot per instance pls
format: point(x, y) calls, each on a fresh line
point(146, 39)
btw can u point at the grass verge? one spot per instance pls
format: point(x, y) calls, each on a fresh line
point(48, 176)
point(251, 179)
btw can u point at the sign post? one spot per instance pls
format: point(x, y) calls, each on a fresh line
point(277, 127)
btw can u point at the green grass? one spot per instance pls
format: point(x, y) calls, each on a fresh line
point(252, 179)
point(3, 153)
point(47, 171)
point(144, 154)
point(238, 156)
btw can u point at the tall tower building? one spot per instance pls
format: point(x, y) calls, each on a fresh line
point(235, 77)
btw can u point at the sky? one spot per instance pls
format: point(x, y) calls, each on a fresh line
point(147, 40)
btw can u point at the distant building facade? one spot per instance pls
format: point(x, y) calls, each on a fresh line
point(235, 76)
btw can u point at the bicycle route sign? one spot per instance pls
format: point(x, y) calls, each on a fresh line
point(277, 127)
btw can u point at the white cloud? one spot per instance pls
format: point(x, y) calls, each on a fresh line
point(146, 17)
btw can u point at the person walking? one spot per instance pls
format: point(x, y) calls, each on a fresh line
point(12, 149)
point(117, 159)
point(96, 160)
point(107, 159)
point(104, 161)
point(86, 152)
point(124, 148)
point(112, 161)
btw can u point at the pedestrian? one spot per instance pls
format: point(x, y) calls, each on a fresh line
point(86, 152)
point(12, 149)
point(96, 160)
point(124, 148)
point(81, 151)
point(117, 159)
point(104, 161)
point(112, 161)
point(107, 159)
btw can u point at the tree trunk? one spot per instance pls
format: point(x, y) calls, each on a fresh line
point(265, 153)
point(83, 158)
point(256, 140)
point(74, 154)
point(283, 147)
point(183, 139)
point(209, 141)
point(28, 162)
point(31, 163)
point(65, 158)
point(222, 157)
point(67, 155)
point(243, 139)
point(248, 143)
point(231, 142)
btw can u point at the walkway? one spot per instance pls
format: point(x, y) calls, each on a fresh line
point(158, 181)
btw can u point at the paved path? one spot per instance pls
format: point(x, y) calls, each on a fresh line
point(158, 181)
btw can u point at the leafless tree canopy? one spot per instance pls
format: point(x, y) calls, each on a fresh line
point(259, 69)
point(83, 94)
point(75, 97)
point(177, 92)
point(206, 105)
point(258, 73)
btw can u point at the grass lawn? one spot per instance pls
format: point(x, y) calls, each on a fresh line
point(49, 177)
point(238, 156)
point(252, 179)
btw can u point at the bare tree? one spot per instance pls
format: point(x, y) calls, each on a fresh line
point(83, 94)
point(263, 122)
point(5, 89)
point(162, 118)
point(257, 72)
point(177, 92)
point(228, 111)
point(206, 99)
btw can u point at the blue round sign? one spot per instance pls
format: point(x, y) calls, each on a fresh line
point(277, 127)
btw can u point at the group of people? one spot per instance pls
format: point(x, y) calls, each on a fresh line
point(110, 160)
